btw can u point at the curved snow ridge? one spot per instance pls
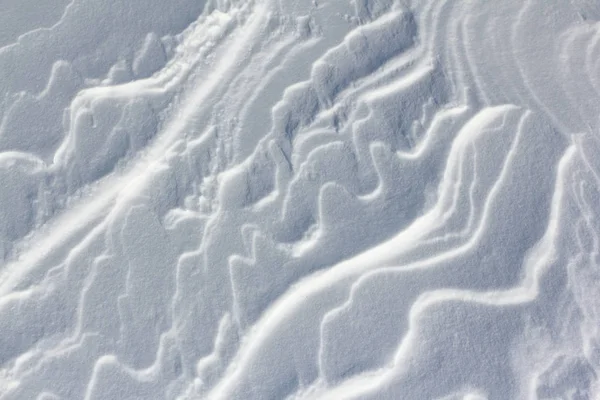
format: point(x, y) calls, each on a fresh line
point(331, 200)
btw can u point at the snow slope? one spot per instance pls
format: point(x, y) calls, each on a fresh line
point(261, 199)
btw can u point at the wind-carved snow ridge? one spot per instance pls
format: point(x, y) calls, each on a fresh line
point(251, 199)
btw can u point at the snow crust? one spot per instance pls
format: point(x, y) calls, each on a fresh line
point(281, 199)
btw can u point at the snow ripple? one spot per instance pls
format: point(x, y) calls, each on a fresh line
point(271, 199)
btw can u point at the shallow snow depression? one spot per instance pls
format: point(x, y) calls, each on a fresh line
point(276, 199)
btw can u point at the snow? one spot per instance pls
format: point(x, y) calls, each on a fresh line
point(337, 199)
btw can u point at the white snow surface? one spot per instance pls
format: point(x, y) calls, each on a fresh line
point(284, 199)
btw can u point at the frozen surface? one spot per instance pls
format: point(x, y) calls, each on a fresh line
point(283, 199)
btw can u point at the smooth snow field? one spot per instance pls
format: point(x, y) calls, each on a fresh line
point(298, 200)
